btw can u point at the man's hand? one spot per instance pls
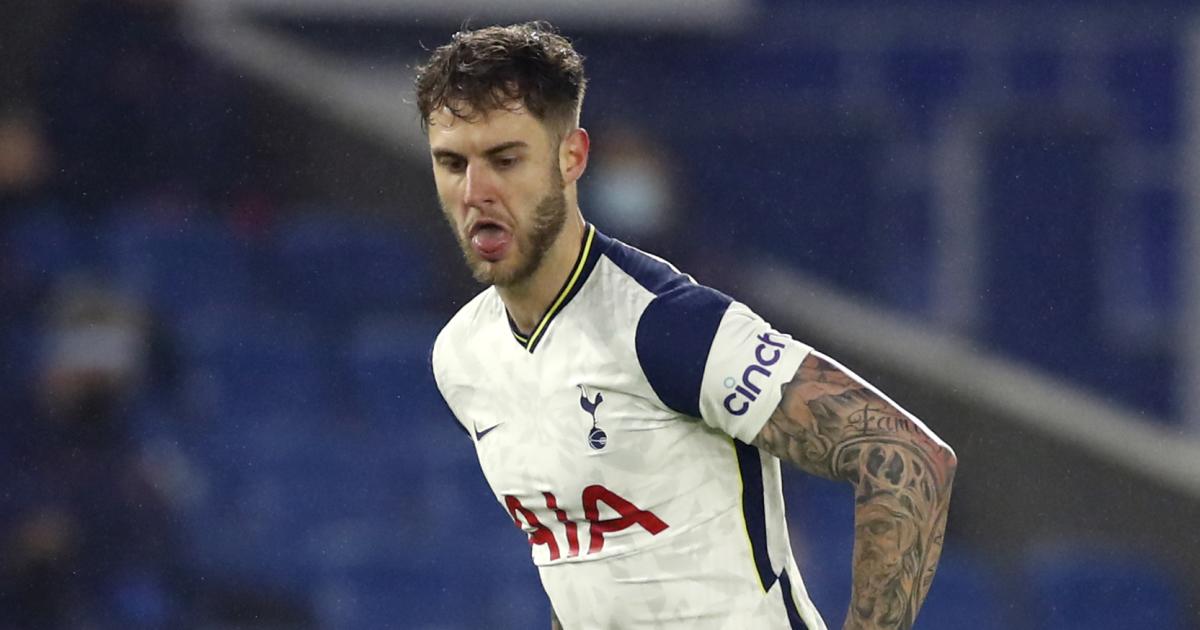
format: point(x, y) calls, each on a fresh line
point(832, 424)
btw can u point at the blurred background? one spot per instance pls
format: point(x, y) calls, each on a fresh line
point(222, 266)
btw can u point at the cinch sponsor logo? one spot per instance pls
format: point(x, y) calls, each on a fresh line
point(766, 354)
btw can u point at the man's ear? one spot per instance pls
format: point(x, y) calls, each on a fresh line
point(573, 154)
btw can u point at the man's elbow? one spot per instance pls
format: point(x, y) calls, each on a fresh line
point(939, 456)
point(947, 461)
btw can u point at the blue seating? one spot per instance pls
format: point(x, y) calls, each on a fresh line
point(179, 262)
point(247, 364)
point(338, 267)
point(1146, 83)
point(1093, 587)
point(391, 382)
point(19, 342)
point(820, 509)
point(1045, 178)
point(1142, 279)
point(303, 498)
point(793, 211)
point(40, 244)
point(309, 489)
point(902, 273)
point(438, 594)
point(1035, 71)
point(967, 592)
point(821, 522)
point(923, 80)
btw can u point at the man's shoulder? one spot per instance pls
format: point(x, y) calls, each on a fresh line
point(477, 307)
point(674, 327)
point(466, 321)
point(676, 298)
point(652, 273)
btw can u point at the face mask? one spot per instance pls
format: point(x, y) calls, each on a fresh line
point(631, 200)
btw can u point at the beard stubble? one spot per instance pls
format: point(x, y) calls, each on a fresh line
point(549, 217)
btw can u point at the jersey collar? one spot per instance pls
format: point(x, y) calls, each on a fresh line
point(589, 253)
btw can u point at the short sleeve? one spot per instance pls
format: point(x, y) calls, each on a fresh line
point(674, 335)
point(746, 367)
point(709, 357)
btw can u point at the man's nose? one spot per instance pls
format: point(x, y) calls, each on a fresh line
point(480, 190)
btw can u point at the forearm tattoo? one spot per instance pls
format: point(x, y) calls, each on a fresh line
point(831, 424)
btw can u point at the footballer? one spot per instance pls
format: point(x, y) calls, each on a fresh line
point(630, 420)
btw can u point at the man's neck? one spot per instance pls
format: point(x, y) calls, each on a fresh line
point(527, 302)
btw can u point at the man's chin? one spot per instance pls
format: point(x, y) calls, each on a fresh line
point(501, 273)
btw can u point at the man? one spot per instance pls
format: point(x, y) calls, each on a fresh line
point(629, 420)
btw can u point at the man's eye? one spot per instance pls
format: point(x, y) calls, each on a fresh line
point(508, 161)
point(453, 164)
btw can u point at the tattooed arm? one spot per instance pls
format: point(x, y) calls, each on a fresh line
point(831, 423)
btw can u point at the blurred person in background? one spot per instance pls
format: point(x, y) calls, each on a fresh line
point(630, 190)
point(24, 159)
point(24, 166)
point(628, 419)
point(85, 532)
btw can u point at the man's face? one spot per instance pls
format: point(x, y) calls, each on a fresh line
point(501, 190)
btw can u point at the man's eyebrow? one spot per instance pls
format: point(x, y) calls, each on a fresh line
point(504, 146)
point(491, 152)
point(446, 153)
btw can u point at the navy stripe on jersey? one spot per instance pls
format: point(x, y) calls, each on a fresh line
point(676, 331)
point(795, 622)
point(754, 510)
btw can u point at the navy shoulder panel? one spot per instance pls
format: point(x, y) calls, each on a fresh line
point(676, 331)
point(653, 274)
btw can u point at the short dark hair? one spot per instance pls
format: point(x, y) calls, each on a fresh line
point(498, 66)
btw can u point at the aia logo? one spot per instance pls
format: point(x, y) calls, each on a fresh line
point(540, 534)
point(597, 438)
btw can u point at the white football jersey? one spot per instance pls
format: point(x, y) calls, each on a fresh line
point(616, 435)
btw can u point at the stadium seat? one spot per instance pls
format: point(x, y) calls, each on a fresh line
point(39, 244)
point(406, 550)
point(250, 364)
point(339, 268)
point(819, 509)
point(302, 508)
point(1145, 83)
point(967, 592)
point(923, 80)
point(821, 521)
point(1035, 71)
point(1142, 298)
point(19, 343)
point(785, 213)
point(433, 596)
point(1093, 587)
point(179, 262)
point(902, 269)
point(391, 381)
point(1039, 236)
